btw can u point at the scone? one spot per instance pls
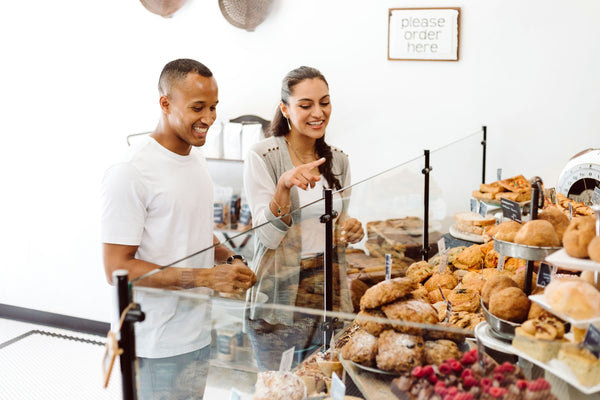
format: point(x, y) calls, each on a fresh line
point(438, 351)
point(470, 258)
point(464, 299)
point(365, 319)
point(399, 352)
point(414, 310)
point(574, 298)
point(447, 281)
point(277, 385)
point(386, 291)
point(594, 249)
point(419, 271)
point(361, 348)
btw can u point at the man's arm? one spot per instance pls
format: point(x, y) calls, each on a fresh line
point(234, 278)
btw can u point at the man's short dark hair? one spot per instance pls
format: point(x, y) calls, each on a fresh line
point(176, 71)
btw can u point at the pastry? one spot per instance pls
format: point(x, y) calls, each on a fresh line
point(584, 364)
point(510, 304)
point(435, 296)
point(357, 290)
point(414, 310)
point(464, 299)
point(365, 319)
point(493, 284)
point(491, 259)
point(541, 338)
point(438, 351)
point(594, 249)
point(513, 196)
point(578, 236)
point(516, 184)
point(470, 258)
point(399, 352)
point(513, 264)
point(538, 232)
point(574, 298)
point(419, 293)
point(444, 280)
point(507, 231)
point(386, 291)
point(557, 218)
point(419, 271)
point(361, 348)
point(277, 385)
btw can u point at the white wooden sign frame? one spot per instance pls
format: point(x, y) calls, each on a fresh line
point(424, 34)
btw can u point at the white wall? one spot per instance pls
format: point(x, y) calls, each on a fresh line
point(77, 77)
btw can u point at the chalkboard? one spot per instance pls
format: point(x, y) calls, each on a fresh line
point(592, 340)
point(544, 275)
point(511, 209)
point(423, 34)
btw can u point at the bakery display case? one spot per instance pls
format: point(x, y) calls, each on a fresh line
point(395, 315)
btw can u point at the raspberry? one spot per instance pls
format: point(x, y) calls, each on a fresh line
point(521, 384)
point(453, 390)
point(428, 370)
point(467, 372)
point(444, 369)
point(418, 372)
point(432, 378)
point(499, 377)
point(538, 385)
point(469, 382)
point(485, 383)
point(497, 391)
point(508, 367)
point(440, 388)
point(463, 396)
point(455, 366)
point(469, 357)
point(449, 397)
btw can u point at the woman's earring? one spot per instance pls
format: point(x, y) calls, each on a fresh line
point(288, 122)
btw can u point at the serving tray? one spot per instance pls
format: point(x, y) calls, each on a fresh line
point(534, 253)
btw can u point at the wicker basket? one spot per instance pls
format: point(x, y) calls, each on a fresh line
point(164, 8)
point(245, 14)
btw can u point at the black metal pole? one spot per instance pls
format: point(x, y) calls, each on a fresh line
point(327, 218)
point(484, 145)
point(535, 195)
point(126, 339)
point(426, 171)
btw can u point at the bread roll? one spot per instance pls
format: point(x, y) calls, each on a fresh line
point(578, 236)
point(507, 231)
point(538, 232)
point(510, 304)
point(594, 249)
point(494, 284)
point(559, 221)
point(574, 298)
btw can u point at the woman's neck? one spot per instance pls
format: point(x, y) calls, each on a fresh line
point(303, 145)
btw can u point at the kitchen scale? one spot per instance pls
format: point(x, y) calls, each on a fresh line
point(580, 176)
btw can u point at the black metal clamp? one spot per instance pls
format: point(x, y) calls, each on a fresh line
point(127, 333)
point(426, 171)
point(327, 219)
point(484, 145)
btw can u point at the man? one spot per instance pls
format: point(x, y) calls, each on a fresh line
point(157, 208)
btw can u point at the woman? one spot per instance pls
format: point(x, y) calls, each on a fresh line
point(284, 177)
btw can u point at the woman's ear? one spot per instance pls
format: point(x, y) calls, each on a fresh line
point(284, 109)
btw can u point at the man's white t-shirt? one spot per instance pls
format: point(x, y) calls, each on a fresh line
point(162, 202)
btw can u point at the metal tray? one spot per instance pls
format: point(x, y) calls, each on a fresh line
point(502, 329)
point(522, 251)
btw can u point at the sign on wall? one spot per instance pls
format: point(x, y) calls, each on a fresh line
point(423, 34)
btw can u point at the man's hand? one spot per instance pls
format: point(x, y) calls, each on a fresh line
point(351, 231)
point(302, 176)
point(232, 278)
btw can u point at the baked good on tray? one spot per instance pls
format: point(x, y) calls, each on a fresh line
point(399, 352)
point(538, 232)
point(276, 385)
point(472, 222)
point(582, 362)
point(579, 234)
point(541, 337)
point(386, 292)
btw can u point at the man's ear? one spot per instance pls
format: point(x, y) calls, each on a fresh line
point(164, 104)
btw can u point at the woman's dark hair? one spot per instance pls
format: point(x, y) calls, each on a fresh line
point(279, 124)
